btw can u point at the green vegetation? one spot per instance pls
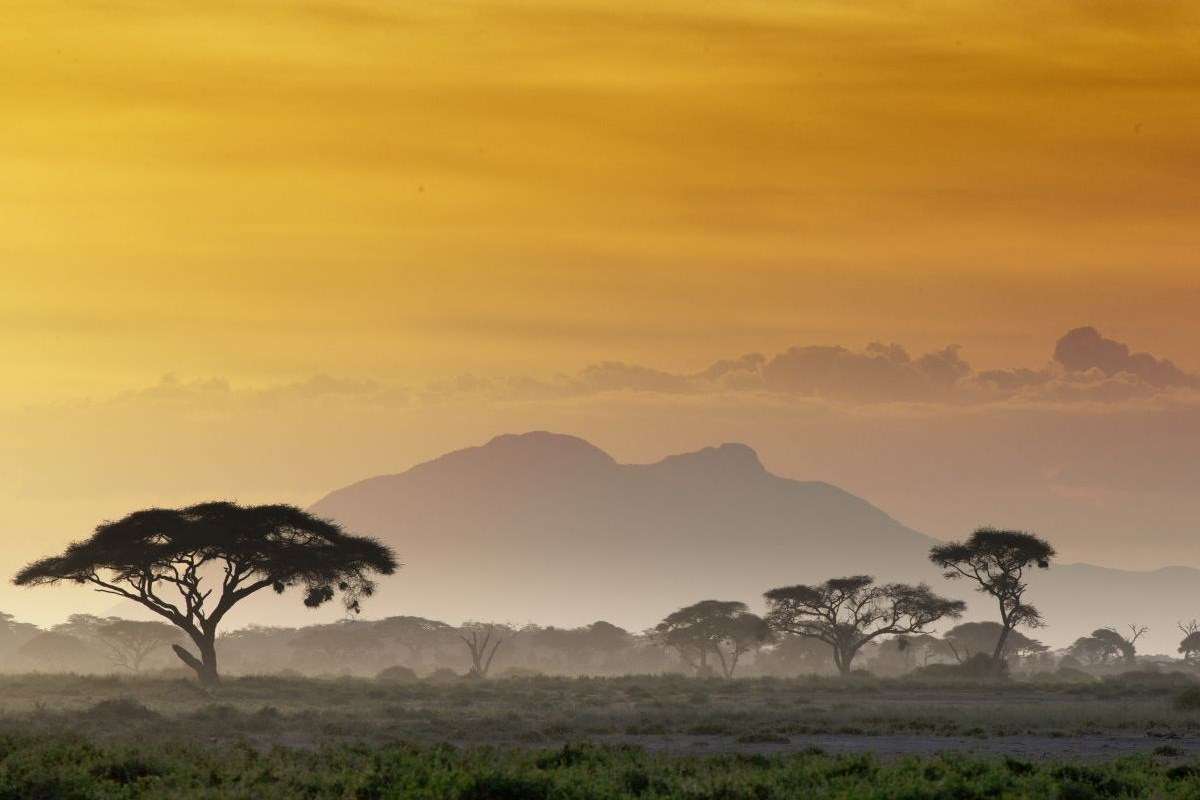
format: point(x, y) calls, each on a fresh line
point(32, 767)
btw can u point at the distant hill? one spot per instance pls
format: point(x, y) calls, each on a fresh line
point(548, 528)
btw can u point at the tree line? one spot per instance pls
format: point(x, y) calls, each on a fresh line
point(190, 566)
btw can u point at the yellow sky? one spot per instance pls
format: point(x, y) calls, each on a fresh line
point(265, 189)
point(250, 193)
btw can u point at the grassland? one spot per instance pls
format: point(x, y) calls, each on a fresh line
point(665, 736)
point(32, 768)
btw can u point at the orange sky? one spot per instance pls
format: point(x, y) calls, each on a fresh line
point(263, 191)
point(412, 189)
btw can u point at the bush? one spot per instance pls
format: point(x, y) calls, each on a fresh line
point(442, 675)
point(979, 667)
point(397, 674)
point(1188, 699)
point(121, 708)
point(1072, 675)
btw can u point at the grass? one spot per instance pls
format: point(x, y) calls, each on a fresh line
point(306, 712)
point(64, 736)
point(71, 769)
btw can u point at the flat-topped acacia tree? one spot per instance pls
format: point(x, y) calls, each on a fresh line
point(172, 560)
point(998, 562)
point(847, 613)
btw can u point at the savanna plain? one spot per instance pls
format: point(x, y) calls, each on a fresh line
point(1136, 734)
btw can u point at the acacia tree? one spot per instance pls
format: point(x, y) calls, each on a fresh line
point(1094, 649)
point(340, 644)
point(418, 634)
point(130, 642)
point(847, 613)
point(172, 560)
point(972, 638)
point(1126, 645)
point(722, 628)
point(997, 561)
point(13, 634)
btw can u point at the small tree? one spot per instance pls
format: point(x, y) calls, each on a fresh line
point(972, 638)
point(13, 634)
point(724, 629)
point(482, 641)
point(744, 633)
point(129, 642)
point(1094, 650)
point(418, 634)
point(997, 562)
point(847, 613)
point(1125, 645)
point(1189, 648)
point(164, 559)
point(340, 645)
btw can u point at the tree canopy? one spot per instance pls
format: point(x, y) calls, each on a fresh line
point(974, 638)
point(847, 613)
point(724, 629)
point(997, 561)
point(165, 559)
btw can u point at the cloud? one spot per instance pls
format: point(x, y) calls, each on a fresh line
point(1084, 349)
point(878, 373)
point(1086, 368)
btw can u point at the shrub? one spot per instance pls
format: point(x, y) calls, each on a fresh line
point(121, 708)
point(1188, 699)
point(442, 675)
point(397, 673)
point(1072, 675)
point(979, 667)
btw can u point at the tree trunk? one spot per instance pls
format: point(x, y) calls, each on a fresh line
point(1005, 629)
point(205, 666)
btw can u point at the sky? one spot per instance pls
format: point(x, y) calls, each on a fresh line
point(262, 249)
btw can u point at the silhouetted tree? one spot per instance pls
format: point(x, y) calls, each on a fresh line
point(1126, 645)
point(972, 638)
point(129, 642)
point(340, 644)
point(604, 640)
point(847, 613)
point(744, 633)
point(795, 655)
point(1190, 646)
point(722, 628)
point(482, 641)
point(161, 558)
point(901, 654)
point(997, 561)
point(13, 634)
point(85, 627)
point(1094, 650)
point(417, 634)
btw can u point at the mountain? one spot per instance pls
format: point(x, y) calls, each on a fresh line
point(549, 528)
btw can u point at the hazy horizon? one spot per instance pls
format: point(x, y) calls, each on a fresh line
point(261, 251)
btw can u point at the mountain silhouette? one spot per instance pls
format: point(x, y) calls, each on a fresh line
point(549, 528)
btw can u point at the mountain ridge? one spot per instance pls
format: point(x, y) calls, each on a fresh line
point(543, 526)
